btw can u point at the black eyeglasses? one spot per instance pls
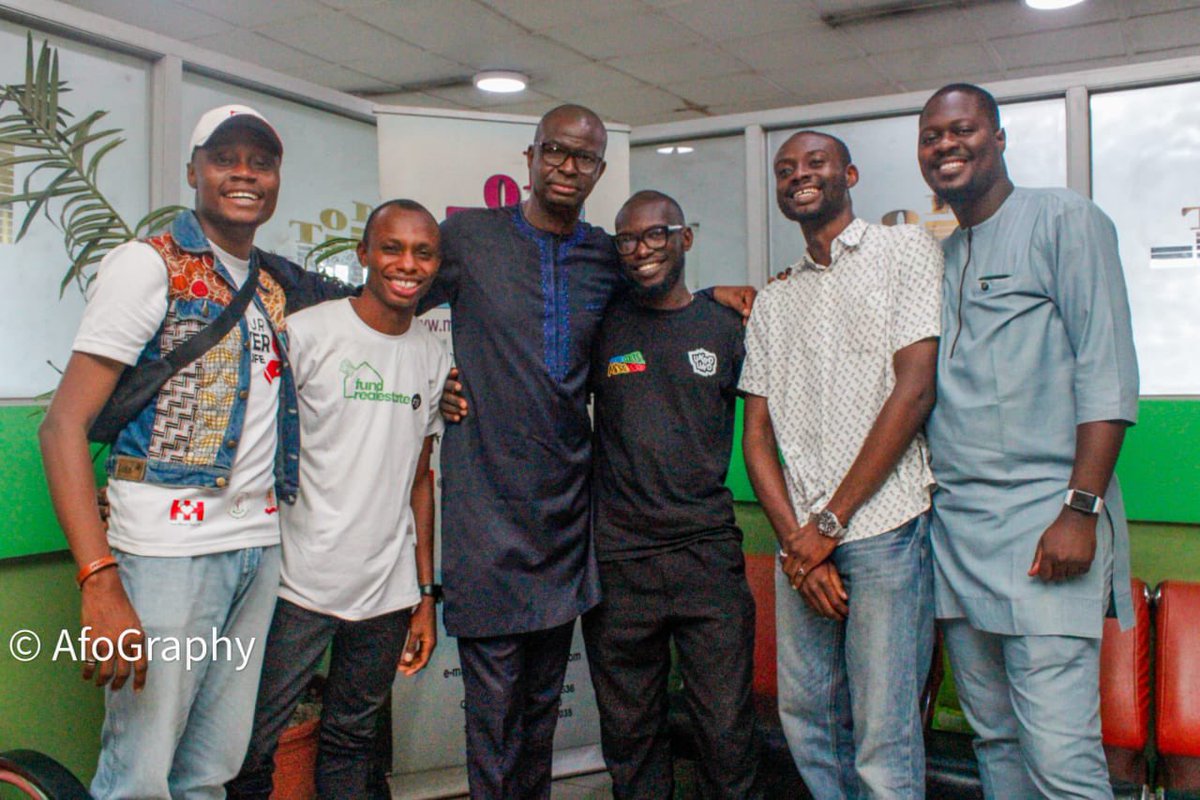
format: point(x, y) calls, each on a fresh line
point(655, 238)
point(556, 155)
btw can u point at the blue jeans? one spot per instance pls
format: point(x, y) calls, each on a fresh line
point(849, 691)
point(186, 733)
point(1034, 703)
point(362, 666)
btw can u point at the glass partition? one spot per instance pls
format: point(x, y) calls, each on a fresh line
point(1145, 163)
point(38, 326)
point(890, 187)
point(708, 178)
point(330, 174)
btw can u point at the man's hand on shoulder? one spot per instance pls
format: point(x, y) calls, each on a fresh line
point(1066, 549)
point(453, 405)
point(739, 298)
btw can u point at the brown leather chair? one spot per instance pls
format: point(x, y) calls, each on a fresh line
point(1177, 688)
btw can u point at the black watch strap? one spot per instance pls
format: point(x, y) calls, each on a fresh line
point(433, 590)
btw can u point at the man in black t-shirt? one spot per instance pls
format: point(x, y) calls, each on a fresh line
point(664, 373)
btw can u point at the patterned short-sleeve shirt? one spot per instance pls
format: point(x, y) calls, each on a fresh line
point(819, 347)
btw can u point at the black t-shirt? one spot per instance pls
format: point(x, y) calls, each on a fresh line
point(665, 387)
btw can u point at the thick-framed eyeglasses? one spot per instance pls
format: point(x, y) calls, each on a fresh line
point(556, 155)
point(655, 238)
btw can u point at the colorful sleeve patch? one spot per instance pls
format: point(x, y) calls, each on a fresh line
point(630, 362)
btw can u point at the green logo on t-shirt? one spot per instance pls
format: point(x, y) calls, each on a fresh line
point(363, 382)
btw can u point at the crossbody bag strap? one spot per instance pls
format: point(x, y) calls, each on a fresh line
point(203, 341)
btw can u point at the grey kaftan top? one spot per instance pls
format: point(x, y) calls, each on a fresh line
point(1036, 339)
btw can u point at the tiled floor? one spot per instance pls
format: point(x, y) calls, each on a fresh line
point(596, 786)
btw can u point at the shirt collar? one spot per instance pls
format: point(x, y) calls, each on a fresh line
point(187, 233)
point(849, 239)
point(189, 237)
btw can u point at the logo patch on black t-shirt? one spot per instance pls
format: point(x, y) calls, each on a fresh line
point(630, 362)
point(704, 363)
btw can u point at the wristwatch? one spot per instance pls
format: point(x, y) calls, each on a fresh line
point(828, 525)
point(433, 590)
point(1084, 502)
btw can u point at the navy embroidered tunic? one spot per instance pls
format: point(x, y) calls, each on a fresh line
point(516, 553)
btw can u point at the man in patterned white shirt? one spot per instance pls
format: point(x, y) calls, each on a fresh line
point(839, 378)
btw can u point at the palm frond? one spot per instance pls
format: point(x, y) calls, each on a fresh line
point(156, 220)
point(63, 157)
point(328, 249)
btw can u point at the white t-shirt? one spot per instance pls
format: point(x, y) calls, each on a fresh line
point(126, 305)
point(367, 402)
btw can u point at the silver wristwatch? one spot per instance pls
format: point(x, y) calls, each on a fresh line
point(828, 525)
point(1084, 502)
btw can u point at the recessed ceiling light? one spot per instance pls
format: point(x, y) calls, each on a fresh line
point(501, 81)
point(676, 150)
point(1051, 5)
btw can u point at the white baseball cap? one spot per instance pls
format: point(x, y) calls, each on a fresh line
point(226, 116)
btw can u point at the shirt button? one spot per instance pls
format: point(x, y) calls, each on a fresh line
point(245, 344)
point(220, 483)
point(985, 285)
point(243, 394)
point(293, 457)
point(291, 411)
point(231, 443)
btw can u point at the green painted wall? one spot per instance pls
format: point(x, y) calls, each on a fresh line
point(1160, 462)
point(1159, 467)
point(44, 704)
point(26, 516)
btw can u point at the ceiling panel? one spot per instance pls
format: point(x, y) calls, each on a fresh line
point(671, 66)
point(329, 35)
point(933, 30)
point(416, 65)
point(1057, 47)
point(249, 15)
point(792, 49)
point(161, 16)
point(583, 78)
point(539, 15)
point(719, 20)
point(1163, 31)
point(257, 49)
point(728, 90)
point(626, 35)
point(833, 80)
point(639, 61)
point(447, 27)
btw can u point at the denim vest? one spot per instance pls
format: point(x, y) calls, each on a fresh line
point(189, 434)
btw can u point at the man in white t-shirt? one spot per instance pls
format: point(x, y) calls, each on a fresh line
point(358, 544)
point(192, 547)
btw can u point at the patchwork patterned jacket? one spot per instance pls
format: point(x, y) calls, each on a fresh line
point(188, 436)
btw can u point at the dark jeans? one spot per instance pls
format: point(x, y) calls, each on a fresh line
point(513, 686)
point(696, 596)
point(362, 666)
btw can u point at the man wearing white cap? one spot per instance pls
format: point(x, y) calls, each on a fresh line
point(191, 552)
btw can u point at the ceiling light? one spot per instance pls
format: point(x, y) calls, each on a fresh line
point(1051, 5)
point(676, 150)
point(501, 81)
